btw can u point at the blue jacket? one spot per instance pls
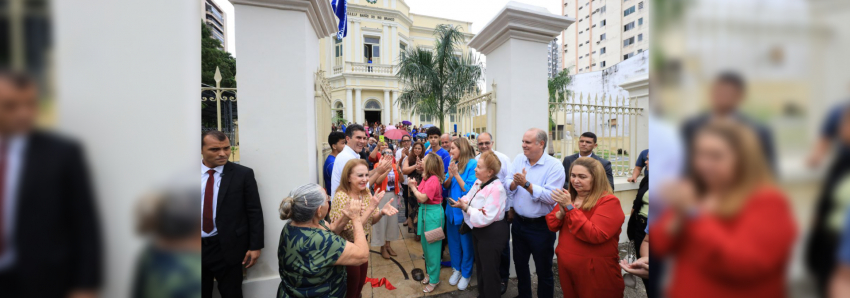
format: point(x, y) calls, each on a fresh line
point(455, 215)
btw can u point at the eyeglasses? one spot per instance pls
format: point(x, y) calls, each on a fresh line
point(485, 143)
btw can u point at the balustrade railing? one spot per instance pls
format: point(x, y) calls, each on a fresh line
point(612, 119)
point(357, 67)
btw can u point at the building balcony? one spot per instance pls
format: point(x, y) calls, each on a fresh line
point(365, 68)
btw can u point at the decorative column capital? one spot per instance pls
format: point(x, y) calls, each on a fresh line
point(520, 21)
point(319, 12)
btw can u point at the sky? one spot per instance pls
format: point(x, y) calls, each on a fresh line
point(479, 12)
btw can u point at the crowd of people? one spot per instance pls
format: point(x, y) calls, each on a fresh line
point(719, 211)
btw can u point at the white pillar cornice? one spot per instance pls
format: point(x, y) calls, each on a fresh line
point(515, 42)
point(319, 12)
point(519, 21)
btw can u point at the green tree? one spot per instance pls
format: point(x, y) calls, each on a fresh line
point(212, 56)
point(558, 92)
point(435, 80)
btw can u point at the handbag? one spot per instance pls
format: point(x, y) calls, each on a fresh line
point(629, 279)
point(433, 235)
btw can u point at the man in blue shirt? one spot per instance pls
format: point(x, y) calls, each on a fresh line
point(435, 137)
point(532, 178)
point(337, 141)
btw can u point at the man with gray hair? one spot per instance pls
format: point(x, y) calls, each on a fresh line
point(486, 143)
point(533, 177)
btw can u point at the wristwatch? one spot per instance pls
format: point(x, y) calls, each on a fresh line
point(526, 185)
point(570, 207)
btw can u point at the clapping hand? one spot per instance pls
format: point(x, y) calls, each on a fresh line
point(519, 178)
point(376, 199)
point(355, 206)
point(389, 209)
point(453, 169)
point(562, 197)
point(411, 182)
point(460, 204)
point(385, 164)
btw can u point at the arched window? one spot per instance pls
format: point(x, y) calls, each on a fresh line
point(372, 105)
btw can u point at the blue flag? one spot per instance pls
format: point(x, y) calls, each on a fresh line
point(340, 10)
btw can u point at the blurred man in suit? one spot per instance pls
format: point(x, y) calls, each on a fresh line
point(50, 243)
point(586, 144)
point(727, 93)
point(232, 226)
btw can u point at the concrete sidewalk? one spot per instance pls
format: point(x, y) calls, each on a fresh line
point(397, 271)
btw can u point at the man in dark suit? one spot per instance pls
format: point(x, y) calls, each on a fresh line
point(232, 226)
point(50, 243)
point(586, 144)
point(727, 93)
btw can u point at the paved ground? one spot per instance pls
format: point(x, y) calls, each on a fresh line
point(397, 271)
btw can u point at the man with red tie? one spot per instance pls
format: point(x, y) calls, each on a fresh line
point(232, 229)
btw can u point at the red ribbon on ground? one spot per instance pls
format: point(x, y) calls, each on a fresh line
point(382, 282)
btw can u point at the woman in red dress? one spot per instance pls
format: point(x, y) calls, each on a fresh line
point(730, 228)
point(588, 220)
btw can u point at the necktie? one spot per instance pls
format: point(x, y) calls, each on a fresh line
point(4, 145)
point(208, 202)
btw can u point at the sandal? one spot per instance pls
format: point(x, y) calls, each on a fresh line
point(430, 287)
point(426, 280)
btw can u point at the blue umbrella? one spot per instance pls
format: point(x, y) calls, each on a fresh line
point(422, 135)
point(427, 125)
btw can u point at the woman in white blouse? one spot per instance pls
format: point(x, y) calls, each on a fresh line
point(483, 215)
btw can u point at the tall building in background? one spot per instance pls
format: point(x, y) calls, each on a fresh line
point(214, 17)
point(605, 33)
point(554, 62)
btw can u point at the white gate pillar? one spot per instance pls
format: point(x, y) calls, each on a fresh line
point(638, 88)
point(386, 115)
point(278, 43)
point(515, 43)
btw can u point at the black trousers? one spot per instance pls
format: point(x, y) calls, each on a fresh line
point(488, 243)
point(505, 264)
point(229, 277)
point(9, 283)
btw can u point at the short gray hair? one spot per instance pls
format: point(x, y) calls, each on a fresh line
point(302, 203)
point(541, 135)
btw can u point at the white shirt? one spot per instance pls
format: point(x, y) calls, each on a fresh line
point(545, 176)
point(503, 176)
point(217, 182)
point(14, 162)
point(341, 159)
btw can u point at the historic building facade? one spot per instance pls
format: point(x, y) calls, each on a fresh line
point(361, 68)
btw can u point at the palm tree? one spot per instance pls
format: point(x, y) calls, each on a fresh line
point(558, 91)
point(435, 80)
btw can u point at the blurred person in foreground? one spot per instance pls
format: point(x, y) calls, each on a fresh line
point(840, 217)
point(232, 225)
point(170, 265)
point(311, 257)
point(829, 211)
point(727, 94)
point(730, 228)
point(50, 238)
point(588, 221)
